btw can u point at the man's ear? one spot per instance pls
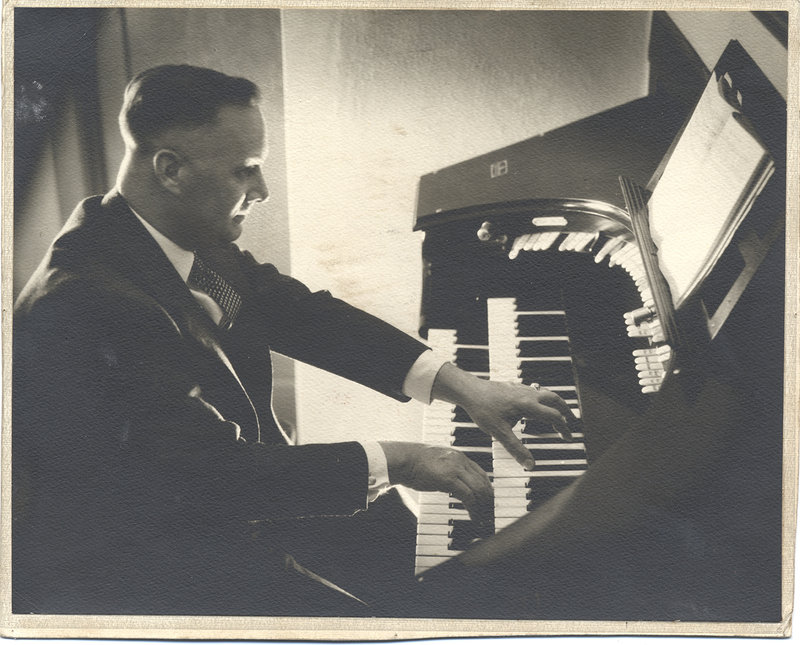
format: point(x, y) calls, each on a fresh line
point(167, 165)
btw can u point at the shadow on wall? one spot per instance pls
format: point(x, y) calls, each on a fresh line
point(58, 142)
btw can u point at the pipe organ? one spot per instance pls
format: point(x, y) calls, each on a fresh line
point(674, 443)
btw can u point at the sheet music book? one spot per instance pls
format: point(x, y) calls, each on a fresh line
point(715, 172)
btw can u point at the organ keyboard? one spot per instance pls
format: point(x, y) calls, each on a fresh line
point(541, 352)
point(521, 346)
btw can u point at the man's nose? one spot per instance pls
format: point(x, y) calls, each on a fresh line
point(258, 191)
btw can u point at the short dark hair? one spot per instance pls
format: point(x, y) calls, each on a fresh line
point(171, 96)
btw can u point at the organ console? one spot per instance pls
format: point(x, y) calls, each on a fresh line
point(666, 503)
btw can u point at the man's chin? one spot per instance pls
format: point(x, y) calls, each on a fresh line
point(221, 238)
point(234, 231)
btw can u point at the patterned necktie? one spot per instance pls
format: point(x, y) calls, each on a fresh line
point(205, 278)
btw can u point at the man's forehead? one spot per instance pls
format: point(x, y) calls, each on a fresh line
point(245, 120)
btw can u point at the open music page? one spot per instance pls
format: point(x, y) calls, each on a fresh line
point(715, 172)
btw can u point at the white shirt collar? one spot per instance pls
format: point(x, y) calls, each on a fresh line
point(181, 259)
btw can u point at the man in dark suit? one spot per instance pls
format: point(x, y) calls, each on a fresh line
point(149, 473)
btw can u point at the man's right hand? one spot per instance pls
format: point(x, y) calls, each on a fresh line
point(434, 468)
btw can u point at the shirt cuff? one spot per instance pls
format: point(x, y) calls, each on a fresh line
point(378, 482)
point(419, 381)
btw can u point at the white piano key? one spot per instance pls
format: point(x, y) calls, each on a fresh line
point(511, 514)
point(587, 242)
point(545, 240)
point(569, 242)
point(556, 473)
point(504, 504)
point(439, 518)
point(546, 359)
point(610, 245)
point(436, 507)
point(564, 445)
point(653, 359)
point(435, 550)
point(578, 241)
point(431, 539)
point(425, 562)
point(516, 511)
point(508, 491)
point(440, 416)
point(515, 482)
point(630, 255)
point(614, 258)
point(424, 529)
point(516, 246)
point(550, 435)
point(649, 351)
point(433, 496)
point(532, 239)
point(503, 522)
point(651, 374)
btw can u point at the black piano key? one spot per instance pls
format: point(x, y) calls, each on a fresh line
point(483, 459)
point(532, 427)
point(528, 348)
point(461, 416)
point(536, 427)
point(464, 532)
point(547, 372)
point(472, 360)
point(541, 325)
point(575, 426)
point(564, 467)
point(474, 437)
point(473, 336)
point(550, 453)
point(543, 488)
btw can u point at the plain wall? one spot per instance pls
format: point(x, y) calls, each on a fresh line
point(710, 31)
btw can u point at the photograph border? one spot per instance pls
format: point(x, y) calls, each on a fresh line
point(368, 629)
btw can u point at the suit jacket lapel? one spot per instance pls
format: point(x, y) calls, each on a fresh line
point(152, 271)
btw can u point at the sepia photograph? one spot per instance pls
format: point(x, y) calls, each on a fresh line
point(377, 323)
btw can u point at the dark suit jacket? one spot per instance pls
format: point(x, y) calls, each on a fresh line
point(144, 445)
